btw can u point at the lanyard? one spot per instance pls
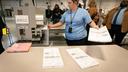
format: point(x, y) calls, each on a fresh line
point(71, 18)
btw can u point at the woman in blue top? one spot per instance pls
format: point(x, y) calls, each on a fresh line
point(76, 20)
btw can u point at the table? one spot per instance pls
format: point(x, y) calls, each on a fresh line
point(111, 58)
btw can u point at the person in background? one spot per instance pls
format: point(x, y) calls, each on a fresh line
point(2, 25)
point(48, 13)
point(101, 18)
point(117, 22)
point(76, 20)
point(56, 15)
point(92, 10)
point(79, 5)
point(95, 18)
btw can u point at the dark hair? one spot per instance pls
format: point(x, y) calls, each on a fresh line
point(56, 6)
point(76, 1)
point(124, 3)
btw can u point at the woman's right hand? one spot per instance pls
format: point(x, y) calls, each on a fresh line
point(50, 26)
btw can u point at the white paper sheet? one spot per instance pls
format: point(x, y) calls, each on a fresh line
point(99, 35)
point(81, 58)
point(22, 19)
point(39, 17)
point(52, 58)
point(39, 22)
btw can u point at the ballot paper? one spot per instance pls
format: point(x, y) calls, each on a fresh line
point(99, 35)
point(81, 58)
point(52, 58)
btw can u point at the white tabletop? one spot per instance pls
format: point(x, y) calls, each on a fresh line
point(111, 58)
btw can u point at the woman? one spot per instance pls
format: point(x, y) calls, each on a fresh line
point(76, 20)
point(2, 25)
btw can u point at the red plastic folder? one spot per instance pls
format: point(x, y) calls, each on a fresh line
point(19, 47)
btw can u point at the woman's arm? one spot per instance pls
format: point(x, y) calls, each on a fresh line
point(93, 25)
point(55, 25)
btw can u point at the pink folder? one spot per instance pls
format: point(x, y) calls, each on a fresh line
point(19, 47)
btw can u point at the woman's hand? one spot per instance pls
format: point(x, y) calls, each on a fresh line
point(96, 27)
point(93, 25)
point(50, 26)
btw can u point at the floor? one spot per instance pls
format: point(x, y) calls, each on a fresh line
point(56, 39)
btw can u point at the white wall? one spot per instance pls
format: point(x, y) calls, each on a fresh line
point(10, 3)
point(42, 3)
point(106, 5)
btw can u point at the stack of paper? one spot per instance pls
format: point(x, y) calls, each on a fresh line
point(81, 58)
point(19, 47)
point(52, 58)
point(99, 35)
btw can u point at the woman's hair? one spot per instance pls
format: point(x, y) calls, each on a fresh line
point(56, 6)
point(76, 1)
point(124, 3)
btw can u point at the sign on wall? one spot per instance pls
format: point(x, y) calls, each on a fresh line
point(22, 19)
point(39, 17)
